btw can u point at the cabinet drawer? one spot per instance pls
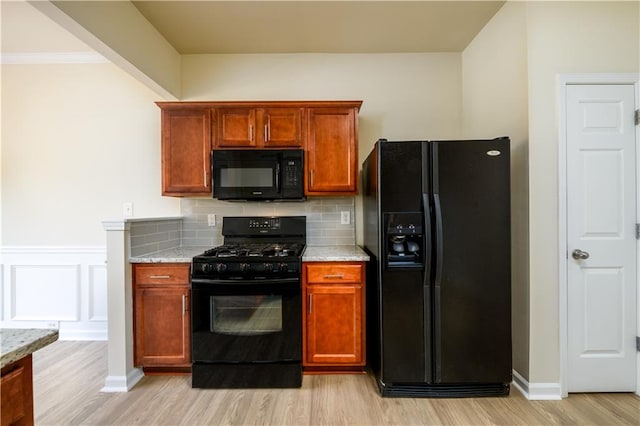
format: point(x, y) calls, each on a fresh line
point(333, 273)
point(162, 274)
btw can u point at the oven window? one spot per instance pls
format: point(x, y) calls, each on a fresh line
point(246, 315)
point(231, 177)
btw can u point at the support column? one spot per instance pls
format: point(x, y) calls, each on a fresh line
point(122, 375)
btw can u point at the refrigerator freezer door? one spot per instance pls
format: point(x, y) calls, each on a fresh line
point(403, 359)
point(472, 297)
point(403, 327)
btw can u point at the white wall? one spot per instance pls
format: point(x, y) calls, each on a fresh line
point(77, 141)
point(563, 37)
point(510, 70)
point(494, 103)
point(405, 96)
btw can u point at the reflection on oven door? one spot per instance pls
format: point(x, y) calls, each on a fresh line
point(246, 315)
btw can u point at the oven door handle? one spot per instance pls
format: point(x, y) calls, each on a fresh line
point(208, 281)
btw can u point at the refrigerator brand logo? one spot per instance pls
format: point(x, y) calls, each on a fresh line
point(493, 153)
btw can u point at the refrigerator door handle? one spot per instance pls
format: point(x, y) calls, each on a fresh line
point(426, 205)
point(437, 292)
point(439, 245)
point(428, 314)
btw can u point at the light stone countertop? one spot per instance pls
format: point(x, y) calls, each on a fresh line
point(334, 254)
point(174, 255)
point(311, 254)
point(17, 343)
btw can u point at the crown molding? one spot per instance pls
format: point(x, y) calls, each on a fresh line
point(43, 58)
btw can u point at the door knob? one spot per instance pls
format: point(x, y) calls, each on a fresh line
point(579, 254)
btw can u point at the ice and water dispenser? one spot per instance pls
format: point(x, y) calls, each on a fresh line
point(404, 240)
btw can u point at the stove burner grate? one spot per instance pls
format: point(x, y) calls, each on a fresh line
point(255, 250)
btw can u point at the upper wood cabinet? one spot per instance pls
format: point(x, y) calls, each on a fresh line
point(259, 128)
point(327, 131)
point(332, 151)
point(186, 151)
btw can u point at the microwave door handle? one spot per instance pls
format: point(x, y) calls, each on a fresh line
point(278, 178)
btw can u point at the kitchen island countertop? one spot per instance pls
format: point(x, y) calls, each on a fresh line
point(18, 343)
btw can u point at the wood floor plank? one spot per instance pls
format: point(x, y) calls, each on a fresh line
point(68, 377)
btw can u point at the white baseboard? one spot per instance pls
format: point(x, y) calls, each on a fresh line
point(536, 391)
point(55, 287)
point(122, 383)
point(83, 335)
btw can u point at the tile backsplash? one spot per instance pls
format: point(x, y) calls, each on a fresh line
point(155, 235)
point(323, 219)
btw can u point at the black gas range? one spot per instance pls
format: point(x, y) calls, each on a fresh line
point(247, 305)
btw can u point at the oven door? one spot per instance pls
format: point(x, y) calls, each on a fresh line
point(239, 321)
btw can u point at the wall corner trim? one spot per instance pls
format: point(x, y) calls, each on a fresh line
point(122, 383)
point(536, 391)
point(116, 225)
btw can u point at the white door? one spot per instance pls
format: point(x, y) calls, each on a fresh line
point(601, 217)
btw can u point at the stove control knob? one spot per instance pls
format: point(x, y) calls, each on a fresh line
point(268, 267)
point(221, 267)
point(283, 267)
point(206, 268)
point(244, 267)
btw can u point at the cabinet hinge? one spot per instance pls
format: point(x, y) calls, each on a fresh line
point(637, 117)
point(637, 231)
point(638, 343)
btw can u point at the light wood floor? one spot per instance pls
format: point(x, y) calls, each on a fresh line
point(68, 377)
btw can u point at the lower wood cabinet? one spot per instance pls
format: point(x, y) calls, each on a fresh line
point(334, 317)
point(16, 392)
point(162, 331)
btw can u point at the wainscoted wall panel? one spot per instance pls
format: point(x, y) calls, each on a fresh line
point(97, 293)
point(55, 287)
point(45, 292)
point(1, 287)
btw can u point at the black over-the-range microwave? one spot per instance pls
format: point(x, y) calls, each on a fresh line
point(258, 174)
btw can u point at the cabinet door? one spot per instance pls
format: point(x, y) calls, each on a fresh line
point(162, 326)
point(236, 128)
point(331, 151)
point(281, 127)
point(334, 325)
point(186, 151)
point(16, 392)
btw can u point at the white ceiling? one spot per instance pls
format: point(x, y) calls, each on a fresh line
point(194, 27)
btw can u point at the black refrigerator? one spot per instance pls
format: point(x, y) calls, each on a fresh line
point(437, 229)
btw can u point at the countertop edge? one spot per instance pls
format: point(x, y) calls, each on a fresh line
point(312, 254)
point(28, 347)
point(335, 254)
